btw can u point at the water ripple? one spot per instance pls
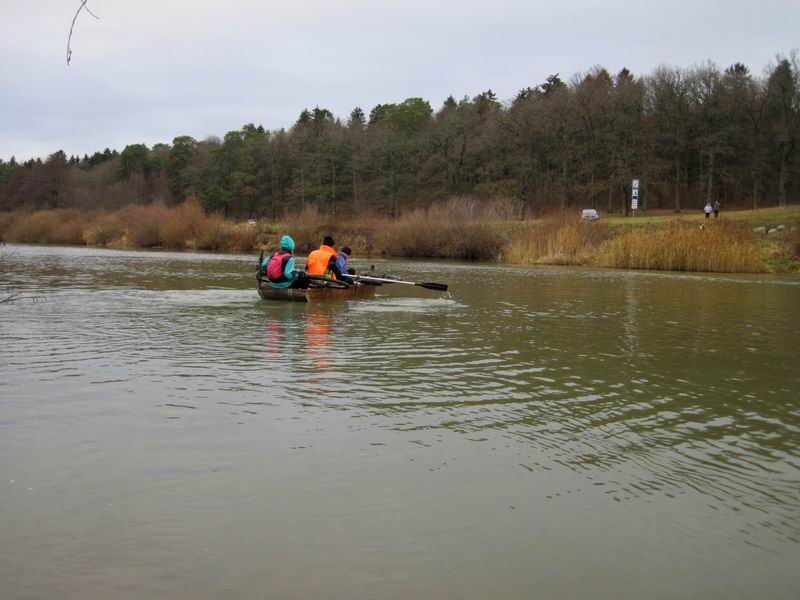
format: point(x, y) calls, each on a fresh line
point(642, 385)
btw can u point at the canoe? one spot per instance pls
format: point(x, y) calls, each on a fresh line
point(321, 293)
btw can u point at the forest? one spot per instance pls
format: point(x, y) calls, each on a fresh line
point(689, 134)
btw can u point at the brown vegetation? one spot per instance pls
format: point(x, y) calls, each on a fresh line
point(722, 247)
point(457, 228)
point(557, 241)
point(46, 227)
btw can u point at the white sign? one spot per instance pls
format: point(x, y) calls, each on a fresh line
point(635, 203)
point(635, 184)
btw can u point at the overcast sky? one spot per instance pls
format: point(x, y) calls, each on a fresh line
point(148, 70)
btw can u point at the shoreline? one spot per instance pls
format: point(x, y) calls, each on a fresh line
point(650, 242)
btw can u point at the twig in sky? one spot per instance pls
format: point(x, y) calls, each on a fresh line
point(75, 18)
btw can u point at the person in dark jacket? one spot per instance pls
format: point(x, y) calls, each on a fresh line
point(341, 260)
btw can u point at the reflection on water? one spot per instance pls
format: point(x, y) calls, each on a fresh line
point(627, 434)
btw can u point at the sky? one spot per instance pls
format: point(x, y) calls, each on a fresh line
point(148, 71)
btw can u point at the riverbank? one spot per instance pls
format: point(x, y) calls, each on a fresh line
point(766, 240)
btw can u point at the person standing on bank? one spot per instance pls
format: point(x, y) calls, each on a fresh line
point(279, 267)
point(716, 209)
point(708, 209)
point(323, 260)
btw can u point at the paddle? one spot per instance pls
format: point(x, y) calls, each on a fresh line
point(335, 283)
point(439, 287)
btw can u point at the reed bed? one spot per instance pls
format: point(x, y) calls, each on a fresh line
point(721, 247)
point(557, 241)
point(456, 228)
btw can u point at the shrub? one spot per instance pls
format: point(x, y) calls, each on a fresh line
point(460, 227)
point(144, 224)
point(47, 227)
point(241, 236)
point(103, 230)
point(308, 227)
point(415, 234)
point(214, 235)
point(6, 220)
point(182, 224)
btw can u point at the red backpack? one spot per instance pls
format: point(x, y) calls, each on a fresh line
point(276, 265)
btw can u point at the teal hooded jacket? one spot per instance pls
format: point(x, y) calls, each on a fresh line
point(287, 243)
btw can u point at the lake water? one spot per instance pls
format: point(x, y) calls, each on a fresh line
point(539, 433)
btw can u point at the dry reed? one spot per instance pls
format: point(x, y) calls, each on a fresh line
point(457, 228)
point(722, 247)
point(557, 241)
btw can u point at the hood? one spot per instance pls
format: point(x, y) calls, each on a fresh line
point(287, 243)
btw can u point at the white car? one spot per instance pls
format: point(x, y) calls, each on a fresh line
point(590, 214)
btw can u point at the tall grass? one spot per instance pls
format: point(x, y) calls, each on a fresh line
point(722, 247)
point(558, 240)
point(456, 228)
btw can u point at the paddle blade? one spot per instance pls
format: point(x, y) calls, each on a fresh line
point(439, 287)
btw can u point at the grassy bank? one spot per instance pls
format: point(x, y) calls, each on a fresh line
point(459, 228)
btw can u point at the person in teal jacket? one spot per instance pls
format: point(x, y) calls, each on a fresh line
point(279, 270)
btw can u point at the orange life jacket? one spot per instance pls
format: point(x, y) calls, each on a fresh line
point(317, 261)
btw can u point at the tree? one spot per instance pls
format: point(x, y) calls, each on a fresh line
point(55, 174)
point(667, 103)
point(783, 112)
point(181, 156)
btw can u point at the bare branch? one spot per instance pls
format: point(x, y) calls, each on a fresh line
point(75, 18)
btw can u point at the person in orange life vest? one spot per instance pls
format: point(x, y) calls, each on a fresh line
point(323, 260)
point(279, 267)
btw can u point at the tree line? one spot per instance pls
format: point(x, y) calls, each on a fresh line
point(691, 135)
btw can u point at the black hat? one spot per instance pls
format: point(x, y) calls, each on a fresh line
point(347, 250)
point(328, 241)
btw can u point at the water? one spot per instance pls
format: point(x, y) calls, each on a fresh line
point(542, 433)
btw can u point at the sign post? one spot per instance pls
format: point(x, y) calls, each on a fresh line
point(634, 196)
